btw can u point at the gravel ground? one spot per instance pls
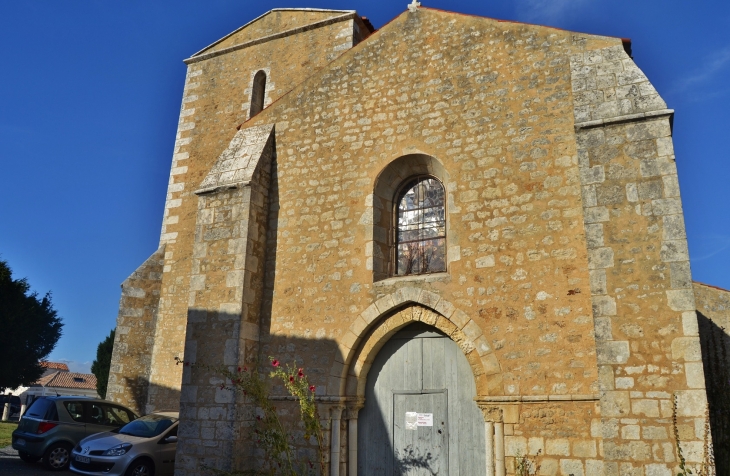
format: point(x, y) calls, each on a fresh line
point(11, 465)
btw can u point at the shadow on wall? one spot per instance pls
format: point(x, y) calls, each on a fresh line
point(715, 342)
point(141, 390)
point(315, 355)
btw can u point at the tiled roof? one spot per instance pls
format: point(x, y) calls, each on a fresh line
point(55, 365)
point(68, 380)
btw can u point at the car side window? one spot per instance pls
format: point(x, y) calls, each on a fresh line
point(76, 410)
point(118, 416)
point(96, 414)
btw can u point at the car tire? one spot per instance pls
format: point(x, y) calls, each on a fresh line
point(141, 467)
point(27, 457)
point(57, 456)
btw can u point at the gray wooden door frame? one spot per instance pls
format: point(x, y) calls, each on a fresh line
point(415, 357)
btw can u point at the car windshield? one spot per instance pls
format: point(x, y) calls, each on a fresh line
point(148, 426)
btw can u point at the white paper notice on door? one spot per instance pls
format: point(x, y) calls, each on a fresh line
point(411, 421)
point(424, 419)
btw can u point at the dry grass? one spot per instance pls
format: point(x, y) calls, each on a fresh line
point(5, 430)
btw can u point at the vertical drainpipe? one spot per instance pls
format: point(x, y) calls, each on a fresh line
point(335, 441)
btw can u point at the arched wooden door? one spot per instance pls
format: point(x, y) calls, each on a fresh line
point(420, 417)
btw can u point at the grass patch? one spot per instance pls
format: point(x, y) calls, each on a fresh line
point(5, 431)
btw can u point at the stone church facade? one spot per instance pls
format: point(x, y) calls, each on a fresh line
point(501, 197)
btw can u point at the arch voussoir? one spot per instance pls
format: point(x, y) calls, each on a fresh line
point(377, 323)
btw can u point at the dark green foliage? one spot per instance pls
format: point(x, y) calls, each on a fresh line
point(29, 330)
point(100, 367)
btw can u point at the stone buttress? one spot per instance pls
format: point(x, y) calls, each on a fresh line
point(225, 300)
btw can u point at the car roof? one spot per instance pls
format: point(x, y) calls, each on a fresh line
point(168, 414)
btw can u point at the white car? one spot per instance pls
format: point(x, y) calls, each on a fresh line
point(143, 447)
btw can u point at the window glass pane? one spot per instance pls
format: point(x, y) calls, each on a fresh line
point(76, 410)
point(117, 416)
point(40, 408)
point(421, 228)
point(97, 414)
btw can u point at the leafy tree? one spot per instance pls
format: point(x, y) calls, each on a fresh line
point(29, 330)
point(100, 367)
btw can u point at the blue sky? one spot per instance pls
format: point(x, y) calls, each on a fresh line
point(89, 100)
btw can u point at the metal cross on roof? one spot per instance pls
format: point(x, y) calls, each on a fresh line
point(413, 6)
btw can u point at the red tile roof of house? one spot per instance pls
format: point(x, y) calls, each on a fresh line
point(62, 379)
point(55, 365)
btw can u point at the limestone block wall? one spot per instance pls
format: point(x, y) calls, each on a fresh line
point(491, 103)
point(134, 338)
point(713, 313)
point(216, 99)
point(648, 349)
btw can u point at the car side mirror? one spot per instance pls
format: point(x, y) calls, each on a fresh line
point(171, 439)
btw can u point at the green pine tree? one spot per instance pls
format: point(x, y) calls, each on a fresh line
point(29, 330)
point(100, 367)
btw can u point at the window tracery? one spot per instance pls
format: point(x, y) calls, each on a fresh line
point(420, 227)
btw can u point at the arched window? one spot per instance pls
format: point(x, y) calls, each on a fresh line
point(258, 90)
point(420, 227)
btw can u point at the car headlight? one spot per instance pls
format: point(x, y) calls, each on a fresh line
point(118, 450)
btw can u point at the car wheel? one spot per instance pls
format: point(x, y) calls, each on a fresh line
point(27, 457)
point(57, 456)
point(141, 467)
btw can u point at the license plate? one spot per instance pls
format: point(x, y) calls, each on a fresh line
point(82, 459)
point(20, 442)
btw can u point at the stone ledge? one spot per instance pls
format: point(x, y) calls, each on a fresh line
point(537, 398)
point(209, 190)
point(625, 118)
point(317, 398)
point(413, 278)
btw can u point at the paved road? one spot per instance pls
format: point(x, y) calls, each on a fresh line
point(11, 465)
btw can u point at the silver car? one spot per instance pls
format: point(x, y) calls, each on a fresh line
point(144, 447)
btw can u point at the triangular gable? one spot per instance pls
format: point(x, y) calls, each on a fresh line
point(272, 22)
point(238, 162)
point(393, 29)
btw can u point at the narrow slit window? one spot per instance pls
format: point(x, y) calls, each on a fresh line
point(258, 91)
point(420, 228)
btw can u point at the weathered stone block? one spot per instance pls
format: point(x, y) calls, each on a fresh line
point(615, 404)
point(631, 432)
point(592, 175)
point(515, 445)
point(681, 277)
point(687, 349)
point(585, 449)
point(656, 469)
point(557, 446)
point(571, 466)
point(691, 403)
point(645, 407)
point(666, 206)
point(600, 258)
point(596, 215)
point(548, 467)
point(689, 323)
point(604, 306)
point(681, 300)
